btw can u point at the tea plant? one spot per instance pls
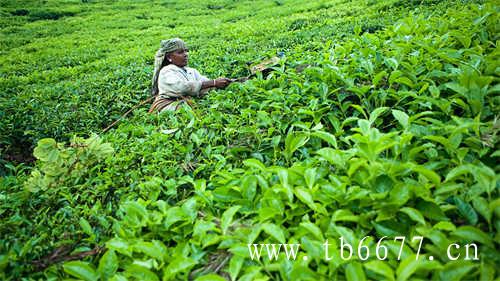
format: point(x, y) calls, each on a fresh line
point(390, 130)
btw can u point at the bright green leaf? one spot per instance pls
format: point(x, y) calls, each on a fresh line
point(354, 272)
point(82, 270)
point(108, 265)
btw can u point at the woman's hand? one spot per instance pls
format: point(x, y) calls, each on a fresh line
point(221, 83)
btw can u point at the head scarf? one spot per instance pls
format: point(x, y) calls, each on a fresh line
point(166, 46)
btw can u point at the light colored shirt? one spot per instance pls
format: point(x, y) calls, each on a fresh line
point(174, 82)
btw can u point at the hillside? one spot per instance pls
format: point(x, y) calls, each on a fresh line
point(379, 124)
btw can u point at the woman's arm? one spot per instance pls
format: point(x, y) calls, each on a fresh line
point(174, 84)
point(219, 83)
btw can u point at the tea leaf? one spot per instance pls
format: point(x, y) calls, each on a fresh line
point(227, 218)
point(413, 214)
point(108, 265)
point(401, 117)
point(354, 272)
point(381, 268)
point(81, 270)
point(470, 233)
point(275, 231)
point(293, 142)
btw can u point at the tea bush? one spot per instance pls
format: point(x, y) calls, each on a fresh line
point(368, 128)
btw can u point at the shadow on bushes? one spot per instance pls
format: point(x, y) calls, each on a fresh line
point(49, 15)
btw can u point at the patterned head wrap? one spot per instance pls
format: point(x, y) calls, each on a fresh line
point(166, 46)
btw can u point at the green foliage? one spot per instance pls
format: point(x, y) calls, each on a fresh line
point(48, 209)
point(388, 132)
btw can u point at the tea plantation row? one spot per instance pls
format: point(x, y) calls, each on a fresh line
point(389, 130)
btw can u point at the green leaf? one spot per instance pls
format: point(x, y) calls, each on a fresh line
point(428, 174)
point(357, 30)
point(487, 272)
point(227, 218)
point(380, 267)
point(466, 210)
point(401, 117)
point(445, 225)
point(210, 277)
point(413, 214)
point(441, 140)
point(376, 113)
point(456, 87)
point(201, 227)
point(235, 265)
point(329, 138)
point(154, 249)
point(354, 272)
point(120, 245)
point(4, 261)
point(190, 209)
point(283, 176)
point(254, 163)
point(275, 231)
point(293, 142)
point(344, 215)
point(384, 183)
point(482, 207)
point(405, 81)
point(44, 148)
point(139, 272)
point(85, 225)
point(310, 176)
point(136, 214)
point(262, 182)
point(108, 265)
point(47, 144)
point(299, 272)
point(249, 186)
point(458, 171)
point(455, 271)
point(173, 215)
point(305, 196)
point(376, 80)
point(104, 149)
point(435, 92)
point(494, 89)
point(118, 277)
point(332, 156)
point(407, 267)
point(364, 125)
point(431, 211)
point(399, 195)
point(178, 264)
point(82, 270)
point(470, 233)
point(313, 229)
point(391, 62)
point(346, 233)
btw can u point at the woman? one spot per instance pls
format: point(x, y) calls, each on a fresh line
point(173, 82)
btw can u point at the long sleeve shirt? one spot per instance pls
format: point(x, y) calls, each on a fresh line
point(174, 82)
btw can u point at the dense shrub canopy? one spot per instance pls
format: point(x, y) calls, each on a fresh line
point(380, 122)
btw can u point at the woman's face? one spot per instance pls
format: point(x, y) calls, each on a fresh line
point(179, 57)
